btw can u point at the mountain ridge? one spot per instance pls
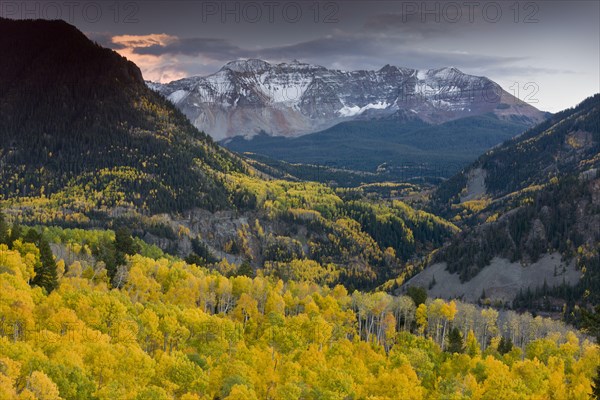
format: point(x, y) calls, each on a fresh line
point(72, 109)
point(532, 202)
point(246, 97)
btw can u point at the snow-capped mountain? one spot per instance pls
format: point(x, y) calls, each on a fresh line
point(249, 96)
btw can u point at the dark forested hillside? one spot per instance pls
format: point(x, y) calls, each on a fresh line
point(77, 117)
point(562, 217)
point(567, 143)
point(403, 148)
point(536, 194)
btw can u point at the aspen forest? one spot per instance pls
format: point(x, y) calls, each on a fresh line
point(193, 332)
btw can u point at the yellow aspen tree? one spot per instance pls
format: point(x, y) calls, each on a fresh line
point(241, 392)
point(448, 312)
point(421, 318)
point(42, 386)
point(472, 347)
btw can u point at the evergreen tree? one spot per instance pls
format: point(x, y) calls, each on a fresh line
point(105, 252)
point(591, 322)
point(432, 283)
point(596, 385)
point(46, 275)
point(124, 244)
point(32, 236)
point(455, 341)
point(3, 230)
point(194, 258)
point(245, 269)
point(15, 233)
point(505, 345)
point(202, 251)
point(418, 294)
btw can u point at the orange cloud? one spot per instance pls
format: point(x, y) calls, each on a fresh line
point(154, 39)
point(161, 68)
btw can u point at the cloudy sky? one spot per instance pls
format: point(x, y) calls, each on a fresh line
point(545, 52)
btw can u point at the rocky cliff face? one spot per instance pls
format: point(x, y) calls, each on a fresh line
point(247, 97)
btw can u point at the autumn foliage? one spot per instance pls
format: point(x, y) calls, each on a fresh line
point(178, 331)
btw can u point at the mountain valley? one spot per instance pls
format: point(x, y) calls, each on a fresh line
point(288, 231)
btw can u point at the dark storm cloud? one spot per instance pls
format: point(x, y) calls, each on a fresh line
point(325, 47)
point(435, 18)
point(354, 49)
point(429, 59)
point(369, 52)
point(411, 25)
point(530, 70)
point(210, 47)
point(222, 49)
point(321, 51)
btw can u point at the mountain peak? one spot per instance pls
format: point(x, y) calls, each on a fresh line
point(446, 71)
point(387, 68)
point(249, 65)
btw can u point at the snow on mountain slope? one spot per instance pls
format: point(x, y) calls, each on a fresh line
point(246, 97)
